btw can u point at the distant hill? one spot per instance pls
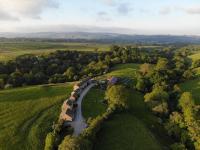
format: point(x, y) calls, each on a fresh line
point(103, 37)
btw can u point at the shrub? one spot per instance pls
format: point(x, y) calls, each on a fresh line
point(49, 142)
point(178, 146)
point(1, 84)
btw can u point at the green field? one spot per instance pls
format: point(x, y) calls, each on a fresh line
point(192, 86)
point(122, 70)
point(26, 115)
point(92, 104)
point(10, 50)
point(136, 129)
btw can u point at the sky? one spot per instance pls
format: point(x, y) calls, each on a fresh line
point(180, 17)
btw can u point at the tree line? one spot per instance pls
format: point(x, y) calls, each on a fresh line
point(64, 66)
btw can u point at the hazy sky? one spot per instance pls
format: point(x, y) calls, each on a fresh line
point(141, 16)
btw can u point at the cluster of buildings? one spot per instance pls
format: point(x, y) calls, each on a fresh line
point(69, 106)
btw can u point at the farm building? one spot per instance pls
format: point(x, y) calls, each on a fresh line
point(68, 115)
point(81, 85)
point(67, 104)
point(112, 80)
point(68, 110)
point(73, 98)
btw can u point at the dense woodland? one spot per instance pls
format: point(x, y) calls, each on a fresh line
point(63, 66)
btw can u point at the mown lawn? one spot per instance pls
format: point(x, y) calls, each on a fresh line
point(192, 86)
point(26, 115)
point(92, 105)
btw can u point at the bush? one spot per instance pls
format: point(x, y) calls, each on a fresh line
point(178, 146)
point(196, 64)
point(49, 142)
point(1, 84)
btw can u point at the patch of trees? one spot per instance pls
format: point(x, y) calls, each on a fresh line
point(63, 66)
point(163, 96)
point(184, 125)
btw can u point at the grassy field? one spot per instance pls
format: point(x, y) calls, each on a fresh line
point(123, 70)
point(26, 115)
point(136, 129)
point(192, 86)
point(92, 105)
point(10, 50)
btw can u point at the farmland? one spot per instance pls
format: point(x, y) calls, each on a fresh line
point(10, 50)
point(26, 114)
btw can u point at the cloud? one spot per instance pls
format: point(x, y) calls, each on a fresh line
point(124, 8)
point(192, 10)
point(5, 16)
point(103, 16)
point(102, 13)
point(165, 10)
point(26, 8)
point(109, 2)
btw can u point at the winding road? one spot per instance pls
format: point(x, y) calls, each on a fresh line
point(79, 123)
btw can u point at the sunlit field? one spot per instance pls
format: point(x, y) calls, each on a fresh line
point(27, 114)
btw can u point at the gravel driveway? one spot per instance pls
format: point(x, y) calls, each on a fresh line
point(79, 122)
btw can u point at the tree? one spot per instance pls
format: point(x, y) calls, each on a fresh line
point(40, 77)
point(143, 84)
point(157, 94)
point(70, 143)
point(1, 83)
point(161, 109)
point(117, 95)
point(16, 79)
point(162, 64)
point(70, 73)
point(187, 105)
point(57, 78)
point(188, 74)
point(196, 63)
point(178, 146)
point(145, 68)
point(107, 59)
point(29, 78)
